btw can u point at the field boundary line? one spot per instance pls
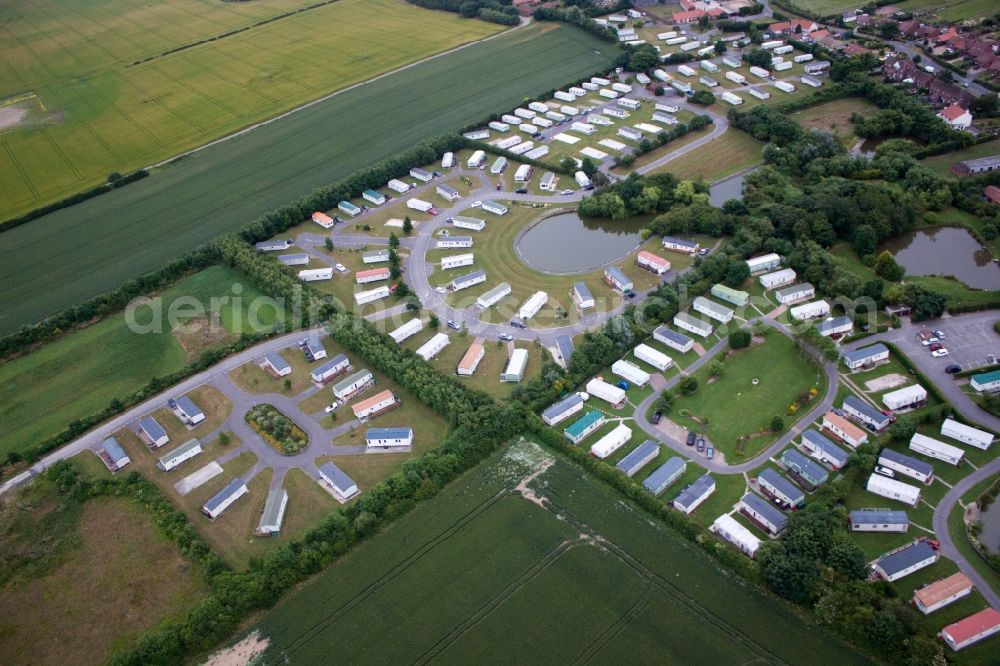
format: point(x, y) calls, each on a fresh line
point(160, 103)
point(597, 646)
point(20, 169)
point(302, 107)
point(195, 92)
point(397, 570)
point(56, 147)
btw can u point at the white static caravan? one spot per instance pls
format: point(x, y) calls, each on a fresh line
point(966, 434)
point(542, 122)
point(273, 515)
point(469, 280)
point(731, 98)
point(314, 274)
point(528, 128)
point(510, 120)
point(643, 79)
point(582, 297)
point(579, 92)
point(630, 372)
point(531, 306)
point(499, 126)
point(674, 41)
point(782, 66)
point(608, 94)
point(373, 197)
point(654, 357)
point(446, 242)
point(736, 77)
point(611, 442)
point(777, 278)
point(733, 532)
point(398, 186)
point(493, 296)
point(627, 103)
point(457, 261)
point(773, 44)
point(538, 107)
point(477, 135)
point(372, 295)
point(548, 182)
point(334, 478)
point(434, 346)
point(708, 50)
point(666, 35)
point(684, 321)
point(389, 438)
point(582, 179)
point(690, 46)
point(523, 147)
point(942, 592)
point(514, 372)
point(407, 330)
point(476, 160)
point(470, 361)
point(587, 85)
point(447, 192)
point(909, 396)
point(523, 173)
point(630, 134)
point(598, 119)
point(353, 385)
point(796, 292)
point(883, 486)
point(760, 72)
point(562, 410)
point(662, 76)
point(615, 112)
point(335, 367)
point(684, 70)
point(811, 81)
point(600, 81)
point(759, 94)
point(709, 81)
point(784, 86)
point(372, 275)
point(623, 88)
point(556, 116)
point(471, 223)
point(448, 160)
point(712, 309)
point(932, 448)
point(225, 498)
point(569, 110)
point(673, 339)
point(609, 393)
point(906, 465)
point(810, 310)
point(563, 96)
point(805, 57)
point(652, 262)
point(583, 128)
point(729, 61)
point(765, 262)
point(709, 66)
point(527, 114)
point(782, 50)
point(185, 451)
point(499, 165)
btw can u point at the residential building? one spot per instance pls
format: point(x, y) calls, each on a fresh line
point(932, 448)
point(986, 382)
point(966, 434)
point(372, 295)
point(494, 207)
point(372, 275)
point(691, 324)
point(673, 339)
point(664, 475)
point(152, 433)
point(295, 259)
point(957, 117)
point(823, 449)
point(398, 186)
point(448, 192)
point(224, 499)
point(866, 357)
point(861, 412)
point(906, 560)
point(473, 223)
point(316, 274)
point(972, 629)
point(434, 346)
point(581, 296)
point(375, 405)
point(776, 486)
point(514, 372)
point(883, 486)
point(349, 209)
point(335, 479)
point(655, 358)
point(909, 397)
point(730, 295)
point(421, 174)
point(804, 468)
point(273, 515)
point(274, 245)
point(493, 296)
point(580, 429)
point(335, 367)
point(680, 245)
point(113, 455)
point(533, 305)
point(906, 465)
point(375, 256)
point(695, 494)
point(942, 592)
point(353, 385)
point(185, 410)
point(652, 263)
point(468, 280)
point(777, 278)
point(407, 330)
point(835, 326)
point(373, 197)
point(389, 438)
point(322, 219)
point(457, 261)
point(763, 513)
point(611, 442)
point(617, 279)
point(844, 430)
point(470, 361)
point(726, 527)
point(630, 372)
point(563, 409)
point(639, 457)
point(712, 309)
point(609, 393)
point(185, 451)
point(764, 262)
point(879, 520)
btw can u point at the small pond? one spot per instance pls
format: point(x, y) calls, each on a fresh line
point(949, 251)
point(990, 536)
point(567, 243)
point(722, 191)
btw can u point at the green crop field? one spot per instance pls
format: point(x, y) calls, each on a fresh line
point(77, 252)
point(563, 565)
point(81, 373)
point(96, 108)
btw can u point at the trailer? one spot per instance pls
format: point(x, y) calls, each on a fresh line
point(773, 44)
point(784, 86)
point(611, 442)
point(533, 305)
point(709, 66)
point(731, 98)
point(782, 50)
point(661, 75)
point(630, 372)
point(736, 77)
point(419, 205)
point(609, 393)
point(685, 70)
point(653, 357)
point(760, 72)
point(782, 66)
point(805, 57)
point(810, 310)
point(623, 88)
point(315, 274)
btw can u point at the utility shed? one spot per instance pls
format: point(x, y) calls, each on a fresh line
point(730, 530)
point(639, 457)
point(763, 513)
point(942, 592)
point(664, 475)
point(695, 494)
point(273, 515)
point(966, 434)
point(224, 499)
point(879, 520)
point(906, 560)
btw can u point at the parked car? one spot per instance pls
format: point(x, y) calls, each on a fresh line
point(991, 359)
point(338, 219)
point(935, 346)
point(939, 334)
point(885, 471)
point(499, 187)
point(565, 192)
point(478, 204)
point(437, 174)
point(710, 453)
point(700, 444)
point(454, 325)
point(521, 190)
point(656, 417)
point(340, 267)
point(939, 353)
point(629, 294)
point(929, 341)
point(704, 251)
point(517, 323)
point(506, 337)
point(691, 439)
point(622, 384)
point(953, 368)
point(332, 406)
point(450, 220)
point(432, 211)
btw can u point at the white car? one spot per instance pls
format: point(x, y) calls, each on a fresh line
point(332, 406)
point(565, 192)
point(441, 290)
point(477, 204)
point(340, 267)
point(929, 341)
point(939, 353)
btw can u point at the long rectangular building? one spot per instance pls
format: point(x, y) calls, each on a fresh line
point(695, 494)
point(639, 457)
point(563, 409)
point(879, 520)
point(729, 529)
point(860, 411)
point(866, 356)
point(763, 513)
point(972, 629)
point(906, 560)
point(580, 429)
point(906, 465)
point(664, 475)
point(776, 486)
point(932, 448)
point(673, 339)
point(966, 434)
point(942, 592)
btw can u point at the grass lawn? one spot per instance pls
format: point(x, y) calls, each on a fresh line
point(62, 556)
point(956, 527)
point(65, 257)
point(731, 152)
point(83, 371)
point(253, 379)
point(487, 375)
point(835, 116)
point(734, 407)
point(941, 164)
point(117, 114)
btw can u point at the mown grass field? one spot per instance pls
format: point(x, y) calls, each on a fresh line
point(835, 117)
point(941, 164)
point(92, 247)
point(81, 373)
point(96, 110)
point(622, 588)
point(96, 574)
point(731, 152)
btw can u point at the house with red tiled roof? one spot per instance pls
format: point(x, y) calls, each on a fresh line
point(992, 194)
point(950, 33)
point(855, 49)
point(786, 27)
point(942, 92)
point(688, 16)
point(956, 116)
point(909, 28)
point(817, 35)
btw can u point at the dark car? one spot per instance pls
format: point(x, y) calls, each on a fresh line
point(622, 384)
point(521, 190)
point(710, 453)
point(935, 346)
point(953, 368)
point(691, 439)
point(656, 417)
point(517, 323)
point(629, 294)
